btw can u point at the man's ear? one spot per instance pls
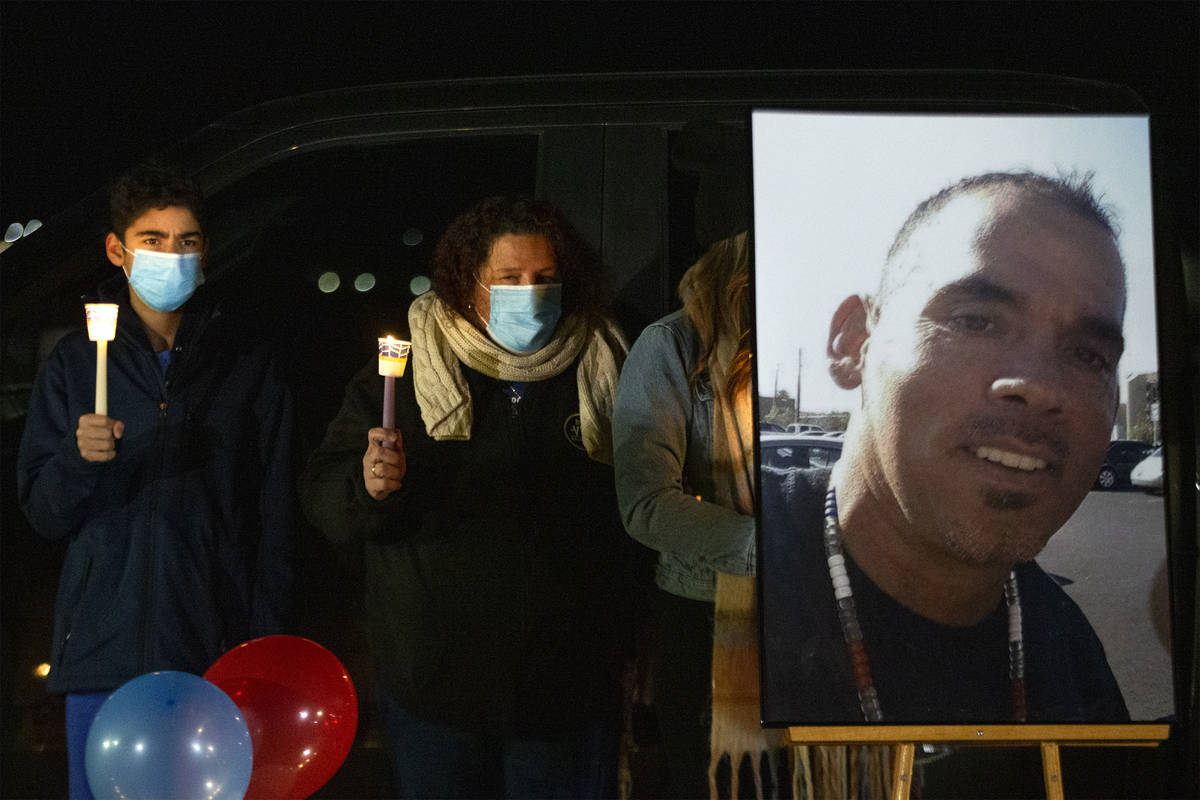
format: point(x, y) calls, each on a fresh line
point(114, 250)
point(848, 334)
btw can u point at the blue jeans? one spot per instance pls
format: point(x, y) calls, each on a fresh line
point(434, 760)
point(81, 710)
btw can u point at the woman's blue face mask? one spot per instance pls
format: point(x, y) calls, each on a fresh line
point(164, 281)
point(522, 319)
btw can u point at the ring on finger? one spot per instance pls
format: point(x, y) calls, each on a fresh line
point(373, 466)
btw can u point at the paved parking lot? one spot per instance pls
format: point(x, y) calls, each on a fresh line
point(1114, 552)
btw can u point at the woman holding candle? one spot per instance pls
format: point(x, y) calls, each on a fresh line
point(498, 577)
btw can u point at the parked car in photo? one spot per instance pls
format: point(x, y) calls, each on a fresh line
point(784, 450)
point(1147, 475)
point(1119, 461)
point(800, 427)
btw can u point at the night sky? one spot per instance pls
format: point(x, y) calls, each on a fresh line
point(89, 88)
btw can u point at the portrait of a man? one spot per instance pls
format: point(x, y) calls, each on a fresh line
point(903, 583)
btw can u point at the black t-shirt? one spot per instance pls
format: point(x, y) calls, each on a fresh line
point(920, 667)
point(923, 672)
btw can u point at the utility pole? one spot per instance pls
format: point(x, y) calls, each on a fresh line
point(799, 370)
point(775, 391)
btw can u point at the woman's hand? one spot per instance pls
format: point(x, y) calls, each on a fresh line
point(383, 466)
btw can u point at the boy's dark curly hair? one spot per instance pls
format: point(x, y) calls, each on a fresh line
point(152, 185)
point(467, 242)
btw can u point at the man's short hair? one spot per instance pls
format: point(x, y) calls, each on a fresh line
point(152, 185)
point(1073, 191)
point(467, 242)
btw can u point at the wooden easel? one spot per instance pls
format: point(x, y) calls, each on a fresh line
point(903, 740)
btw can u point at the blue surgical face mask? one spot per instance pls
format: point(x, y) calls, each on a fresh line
point(522, 319)
point(164, 281)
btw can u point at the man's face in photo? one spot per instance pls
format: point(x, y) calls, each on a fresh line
point(989, 376)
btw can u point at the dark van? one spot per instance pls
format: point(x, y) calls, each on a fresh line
point(324, 210)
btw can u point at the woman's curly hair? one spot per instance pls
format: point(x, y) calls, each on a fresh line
point(467, 242)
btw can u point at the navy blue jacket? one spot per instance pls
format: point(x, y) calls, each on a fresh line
point(181, 547)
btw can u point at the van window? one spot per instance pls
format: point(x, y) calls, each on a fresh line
point(327, 249)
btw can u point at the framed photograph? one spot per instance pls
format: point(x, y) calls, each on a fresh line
point(961, 506)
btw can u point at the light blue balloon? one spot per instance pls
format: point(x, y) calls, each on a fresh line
point(169, 735)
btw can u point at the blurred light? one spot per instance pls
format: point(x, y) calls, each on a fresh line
point(16, 230)
point(41, 670)
point(412, 237)
point(419, 285)
point(364, 282)
point(304, 714)
point(329, 282)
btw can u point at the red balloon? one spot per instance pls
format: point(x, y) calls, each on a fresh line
point(300, 706)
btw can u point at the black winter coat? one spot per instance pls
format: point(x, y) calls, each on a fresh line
point(181, 547)
point(499, 581)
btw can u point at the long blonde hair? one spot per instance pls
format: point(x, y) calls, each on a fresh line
point(716, 299)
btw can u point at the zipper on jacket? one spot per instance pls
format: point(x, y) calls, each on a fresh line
point(152, 556)
point(139, 344)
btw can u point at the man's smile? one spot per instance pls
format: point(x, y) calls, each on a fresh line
point(1008, 458)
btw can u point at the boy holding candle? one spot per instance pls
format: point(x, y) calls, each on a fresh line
point(178, 503)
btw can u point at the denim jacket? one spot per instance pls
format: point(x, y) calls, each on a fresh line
point(662, 455)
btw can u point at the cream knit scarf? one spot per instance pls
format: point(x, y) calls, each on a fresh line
point(442, 339)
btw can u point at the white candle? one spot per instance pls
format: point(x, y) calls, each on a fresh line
point(102, 377)
point(102, 329)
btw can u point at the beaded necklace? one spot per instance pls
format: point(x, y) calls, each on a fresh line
point(868, 698)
